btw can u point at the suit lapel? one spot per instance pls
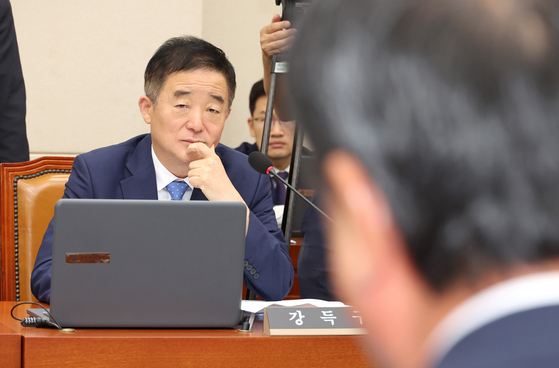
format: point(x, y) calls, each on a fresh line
point(141, 184)
point(197, 195)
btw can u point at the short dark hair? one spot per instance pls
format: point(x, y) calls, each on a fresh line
point(453, 107)
point(183, 54)
point(256, 92)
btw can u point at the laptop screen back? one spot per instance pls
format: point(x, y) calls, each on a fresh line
point(143, 263)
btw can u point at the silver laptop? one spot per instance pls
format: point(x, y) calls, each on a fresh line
point(147, 263)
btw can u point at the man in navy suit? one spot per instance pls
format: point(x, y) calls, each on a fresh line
point(189, 87)
point(437, 125)
point(281, 142)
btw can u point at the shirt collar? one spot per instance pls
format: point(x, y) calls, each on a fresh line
point(163, 176)
point(286, 169)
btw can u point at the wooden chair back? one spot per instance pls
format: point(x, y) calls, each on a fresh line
point(28, 192)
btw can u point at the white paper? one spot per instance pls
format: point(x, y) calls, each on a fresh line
point(257, 306)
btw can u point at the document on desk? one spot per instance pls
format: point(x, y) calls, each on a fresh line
point(257, 306)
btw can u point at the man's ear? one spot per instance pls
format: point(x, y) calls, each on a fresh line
point(251, 128)
point(351, 183)
point(146, 108)
point(364, 213)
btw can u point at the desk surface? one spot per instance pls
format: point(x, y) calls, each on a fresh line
point(33, 347)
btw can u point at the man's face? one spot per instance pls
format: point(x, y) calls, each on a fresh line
point(192, 107)
point(281, 135)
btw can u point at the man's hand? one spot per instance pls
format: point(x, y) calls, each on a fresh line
point(208, 174)
point(275, 38)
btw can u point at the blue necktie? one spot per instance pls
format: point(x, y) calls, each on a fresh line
point(278, 193)
point(177, 189)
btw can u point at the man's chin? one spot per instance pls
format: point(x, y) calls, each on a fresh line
point(278, 154)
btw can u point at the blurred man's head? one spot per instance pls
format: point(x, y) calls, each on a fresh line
point(282, 132)
point(437, 122)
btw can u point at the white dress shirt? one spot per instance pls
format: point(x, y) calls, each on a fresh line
point(163, 177)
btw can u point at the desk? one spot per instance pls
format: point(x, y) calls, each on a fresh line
point(10, 347)
point(170, 348)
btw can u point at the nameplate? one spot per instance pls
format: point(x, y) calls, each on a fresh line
point(282, 321)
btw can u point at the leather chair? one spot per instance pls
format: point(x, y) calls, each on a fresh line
point(28, 192)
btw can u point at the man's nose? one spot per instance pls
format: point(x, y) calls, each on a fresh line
point(277, 128)
point(195, 120)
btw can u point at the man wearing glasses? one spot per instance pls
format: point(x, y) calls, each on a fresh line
point(281, 142)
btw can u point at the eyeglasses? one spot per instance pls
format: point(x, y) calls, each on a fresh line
point(260, 121)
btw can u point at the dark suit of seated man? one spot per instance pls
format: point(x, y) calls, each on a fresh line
point(189, 87)
point(313, 271)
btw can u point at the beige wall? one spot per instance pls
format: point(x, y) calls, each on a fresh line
point(83, 63)
point(234, 26)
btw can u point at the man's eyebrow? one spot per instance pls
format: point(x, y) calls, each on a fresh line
point(218, 98)
point(180, 93)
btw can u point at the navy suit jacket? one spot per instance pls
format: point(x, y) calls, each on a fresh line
point(522, 340)
point(247, 148)
point(126, 171)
